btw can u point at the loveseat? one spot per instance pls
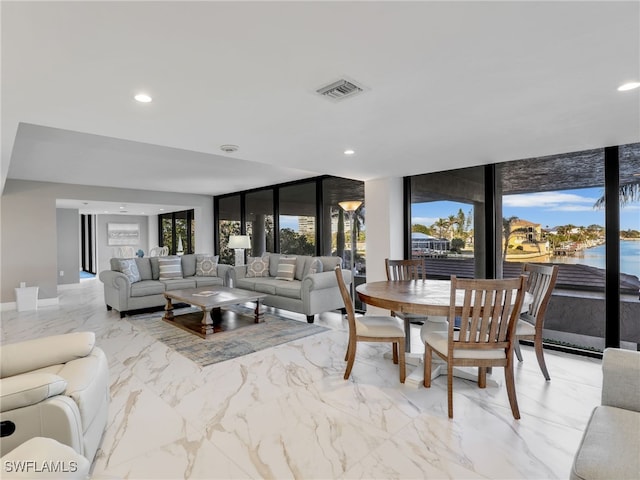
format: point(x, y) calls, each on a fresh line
point(136, 283)
point(298, 283)
point(610, 446)
point(55, 387)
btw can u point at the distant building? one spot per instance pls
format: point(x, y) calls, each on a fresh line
point(423, 244)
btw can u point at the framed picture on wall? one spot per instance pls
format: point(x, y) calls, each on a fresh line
point(123, 233)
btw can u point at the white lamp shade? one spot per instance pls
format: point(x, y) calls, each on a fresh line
point(350, 205)
point(239, 241)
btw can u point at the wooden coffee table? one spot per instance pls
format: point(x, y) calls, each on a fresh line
point(210, 300)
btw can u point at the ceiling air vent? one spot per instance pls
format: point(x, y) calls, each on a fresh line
point(340, 90)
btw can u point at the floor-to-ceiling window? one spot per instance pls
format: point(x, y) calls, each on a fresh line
point(448, 222)
point(543, 210)
point(297, 218)
point(259, 221)
point(177, 231)
point(229, 223)
point(301, 217)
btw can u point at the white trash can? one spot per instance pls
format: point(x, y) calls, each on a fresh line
point(27, 298)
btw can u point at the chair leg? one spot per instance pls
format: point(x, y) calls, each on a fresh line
point(394, 348)
point(511, 389)
point(540, 356)
point(516, 348)
point(482, 377)
point(403, 366)
point(427, 365)
point(351, 356)
point(450, 388)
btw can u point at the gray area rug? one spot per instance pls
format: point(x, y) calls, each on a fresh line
point(221, 346)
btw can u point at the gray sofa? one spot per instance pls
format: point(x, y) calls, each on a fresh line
point(123, 295)
point(308, 293)
point(610, 446)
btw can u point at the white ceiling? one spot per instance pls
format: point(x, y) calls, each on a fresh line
point(449, 84)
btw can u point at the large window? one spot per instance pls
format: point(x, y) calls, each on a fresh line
point(297, 219)
point(544, 210)
point(177, 231)
point(229, 223)
point(259, 221)
point(448, 222)
point(337, 227)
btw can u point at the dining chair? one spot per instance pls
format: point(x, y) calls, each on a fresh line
point(486, 333)
point(540, 284)
point(125, 252)
point(370, 329)
point(412, 269)
point(159, 251)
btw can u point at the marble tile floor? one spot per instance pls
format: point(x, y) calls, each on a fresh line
point(286, 412)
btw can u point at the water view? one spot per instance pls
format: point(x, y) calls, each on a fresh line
point(595, 257)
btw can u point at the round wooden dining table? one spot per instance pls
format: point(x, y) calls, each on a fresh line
point(422, 297)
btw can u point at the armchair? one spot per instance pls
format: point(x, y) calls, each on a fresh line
point(55, 387)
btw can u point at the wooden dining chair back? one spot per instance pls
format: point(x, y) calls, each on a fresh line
point(413, 269)
point(370, 329)
point(488, 316)
point(540, 284)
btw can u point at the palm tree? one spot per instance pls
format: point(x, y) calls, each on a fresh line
point(507, 232)
point(628, 193)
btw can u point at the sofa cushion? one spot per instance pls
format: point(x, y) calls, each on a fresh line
point(246, 283)
point(144, 267)
point(302, 265)
point(147, 287)
point(274, 258)
point(188, 262)
point(179, 283)
point(207, 265)
point(208, 281)
point(265, 285)
point(286, 268)
point(170, 268)
point(289, 289)
point(155, 268)
point(610, 445)
point(129, 268)
point(330, 263)
point(258, 266)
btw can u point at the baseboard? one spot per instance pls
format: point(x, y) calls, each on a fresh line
point(42, 302)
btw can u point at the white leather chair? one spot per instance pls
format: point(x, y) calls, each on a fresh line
point(55, 387)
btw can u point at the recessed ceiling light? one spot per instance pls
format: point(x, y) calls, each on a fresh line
point(349, 152)
point(229, 148)
point(162, 209)
point(628, 86)
point(143, 98)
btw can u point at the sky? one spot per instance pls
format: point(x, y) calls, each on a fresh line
point(549, 209)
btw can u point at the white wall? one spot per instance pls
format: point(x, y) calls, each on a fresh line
point(68, 245)
point(105, 251)
point(28, 238)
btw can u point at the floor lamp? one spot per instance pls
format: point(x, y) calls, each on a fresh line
point(350, 206)
point(239, 243)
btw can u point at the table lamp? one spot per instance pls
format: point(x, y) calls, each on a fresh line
point(239, 243)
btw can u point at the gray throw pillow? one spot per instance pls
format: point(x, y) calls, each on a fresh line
point(258, 266)
point(129, 268)
point(170, 268)
point(316, 266)
point(207, 265)
point(286, 268)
